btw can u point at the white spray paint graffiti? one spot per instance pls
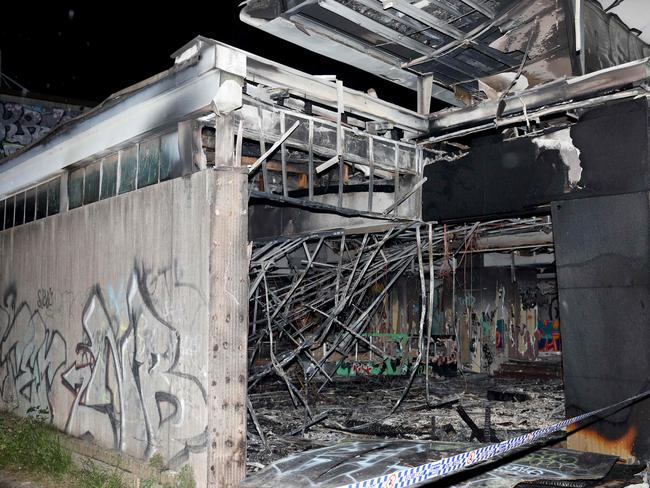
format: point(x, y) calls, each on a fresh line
point(130, 386)
point(31, 355)
point(126, 382)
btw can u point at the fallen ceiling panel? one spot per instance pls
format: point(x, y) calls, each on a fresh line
point(352, 462)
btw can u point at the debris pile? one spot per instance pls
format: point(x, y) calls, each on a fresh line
point(360, 409)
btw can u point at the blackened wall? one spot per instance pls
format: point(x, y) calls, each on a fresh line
point(522, 176)
point(602, 249)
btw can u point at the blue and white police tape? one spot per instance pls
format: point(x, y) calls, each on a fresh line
point(453, 464)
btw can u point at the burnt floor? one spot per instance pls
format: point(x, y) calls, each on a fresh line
point(358, 408)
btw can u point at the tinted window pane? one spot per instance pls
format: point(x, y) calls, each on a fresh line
point(170, 159)
point(53, 196)
point(109, 176)
point(128, 167)
point(91, 183)
point(30, 205)
point(2, 214)
point(76, 188)
point(148, 163)
point(9, 213)
point(41, 202)
point(19, 216)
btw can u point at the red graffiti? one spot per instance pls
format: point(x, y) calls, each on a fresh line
point(361, 369)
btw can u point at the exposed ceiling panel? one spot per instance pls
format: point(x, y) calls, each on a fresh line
point(455, 41)
point(469, 49)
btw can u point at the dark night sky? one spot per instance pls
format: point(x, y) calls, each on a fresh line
point(82, 52)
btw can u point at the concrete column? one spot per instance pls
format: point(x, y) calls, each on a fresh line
point(425, 91)
point(228, 335)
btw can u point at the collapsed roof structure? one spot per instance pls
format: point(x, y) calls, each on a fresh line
point(459, 51)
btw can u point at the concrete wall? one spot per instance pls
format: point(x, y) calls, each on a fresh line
point(104, 320)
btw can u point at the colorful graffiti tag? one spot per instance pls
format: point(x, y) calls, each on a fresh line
point(443, 360)
point(548, 336)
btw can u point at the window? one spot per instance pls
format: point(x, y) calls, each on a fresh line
point(76, 188)
point(41, 202)
point(137, 166)
point(53, 196)
point(148, 159)
point(30, 205)
point(91, 183)
point(9, 213)
point(109, 176)
point(170, 159)
point(128, 168)
point(19, 212)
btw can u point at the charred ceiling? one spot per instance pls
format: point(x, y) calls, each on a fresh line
point(469, 50)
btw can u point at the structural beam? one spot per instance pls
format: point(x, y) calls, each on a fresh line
point(484, 9)
point(425, 85)
point(301, 84)
point(581, 87)
point(228, 304)
point(306, 33)
point(376, 27)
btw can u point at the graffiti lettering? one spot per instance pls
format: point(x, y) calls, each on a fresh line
point(21, 125)
point(45, 298)
point(361, 369)
point(31, 355)
point(125, 380)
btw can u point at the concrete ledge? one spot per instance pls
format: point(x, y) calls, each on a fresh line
point(134, 470)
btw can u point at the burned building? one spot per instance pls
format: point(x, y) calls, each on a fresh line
point(234, 261)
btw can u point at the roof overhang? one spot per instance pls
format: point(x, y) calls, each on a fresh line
point(173, 96)
point(185, 91)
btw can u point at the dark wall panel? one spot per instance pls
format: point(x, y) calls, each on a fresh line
point(521, 177)
point(613, 143)
point(603, 242)
point(602, 255)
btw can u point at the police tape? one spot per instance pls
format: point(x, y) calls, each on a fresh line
point(453, 464)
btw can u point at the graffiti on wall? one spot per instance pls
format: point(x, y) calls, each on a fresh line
point(442, 360)
point(31, 355)
point(119, 372)
point(548, 336)
point(500, 334)
point(126, 380)
point(388, 367)
point(22, 124)
point(522, 337)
